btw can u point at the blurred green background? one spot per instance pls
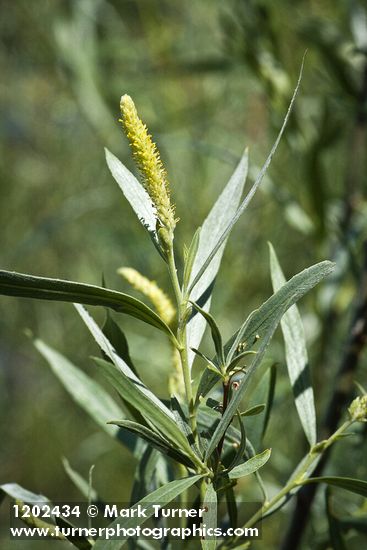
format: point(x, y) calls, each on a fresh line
point(208, 78)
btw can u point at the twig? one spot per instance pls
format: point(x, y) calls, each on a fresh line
point(339, 400)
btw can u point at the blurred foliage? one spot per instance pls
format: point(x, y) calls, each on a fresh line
point(209, 77)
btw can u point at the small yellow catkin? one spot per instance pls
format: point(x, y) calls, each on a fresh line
point(151, 290)
point(148, 160)
point(176, 384)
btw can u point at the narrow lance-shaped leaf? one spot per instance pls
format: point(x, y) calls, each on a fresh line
point(215, 223)
point(43, 288)
point(262, 326)
point(154, 440)
point(251, 465)
point(297, 357)
point(132, 388)
point(357, 486)
point(135, 194)
point(225, 233)
point(162, 496)
point(87, 393)
point(210, 517)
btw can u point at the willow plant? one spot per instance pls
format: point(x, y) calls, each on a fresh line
point(197, 438)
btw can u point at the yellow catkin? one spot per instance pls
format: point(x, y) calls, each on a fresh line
point(176, 384)
point(151, 290)
point(148, 160)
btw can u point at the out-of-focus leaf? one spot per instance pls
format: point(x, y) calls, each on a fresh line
point(223, 234)
point(251, 465)
point(356, 523)
point(210, 516)
point(357, 486)
point(80, 483)
point(163, 496)
point(17, 492)
point(135, 194)
point(335, 530)
point(213, 226)
point(261, 327)
point(297, 357)
point(87, 393)
point(43, 288)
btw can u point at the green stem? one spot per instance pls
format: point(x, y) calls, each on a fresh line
point(181, 338)
point(314, 453)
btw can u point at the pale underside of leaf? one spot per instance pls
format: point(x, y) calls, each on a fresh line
point(134, 193)
point(218, 218)
point(210, 516)
point(296, 356)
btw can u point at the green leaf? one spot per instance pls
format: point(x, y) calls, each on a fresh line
point(234, 363)
point(87, 393)
point(261, 327)
point(182, 422)
point(297, 357)
point(162, 496)
point(121, 365)
point(357, 486)
point(224, 233)
point(251, 465)
point(210, 516)
point(270, 397)
point(256, 409)
point(118, 339)
point(210, 364)
point(213, 226)
point(216, 335)
point(155, 413)
point(135, 194)
point(155, 440)
point(241, 448)
point(28, 286)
